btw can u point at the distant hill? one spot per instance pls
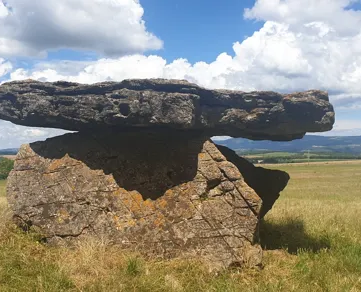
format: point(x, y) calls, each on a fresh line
point(313, 143)
point(10, 151)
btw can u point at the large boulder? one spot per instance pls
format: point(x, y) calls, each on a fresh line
point(170, 194)
point(161, 103)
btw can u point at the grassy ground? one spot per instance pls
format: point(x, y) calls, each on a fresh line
point(312, 239)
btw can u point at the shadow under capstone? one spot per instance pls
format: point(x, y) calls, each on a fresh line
point(151, 162)
point(148, 162)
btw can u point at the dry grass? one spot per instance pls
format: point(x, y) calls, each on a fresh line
point(2, 192)
point(312, 239)
point(11, 157)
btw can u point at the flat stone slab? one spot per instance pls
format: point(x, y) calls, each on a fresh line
point(161, 103)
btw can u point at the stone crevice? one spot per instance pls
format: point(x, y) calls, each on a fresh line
point(69, 235)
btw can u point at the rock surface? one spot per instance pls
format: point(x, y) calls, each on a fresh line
point(268, 183)
point(174, 195)
point(159, 103)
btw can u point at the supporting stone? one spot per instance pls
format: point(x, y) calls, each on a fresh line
point(168, 194)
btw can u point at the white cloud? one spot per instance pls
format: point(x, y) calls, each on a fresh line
point(347, 101)
point(334, 13)
point(12, 136)
point(273, 58)
point(110, 27)
point(3, 10)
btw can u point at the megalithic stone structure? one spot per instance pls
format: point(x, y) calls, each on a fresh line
point(141, 169)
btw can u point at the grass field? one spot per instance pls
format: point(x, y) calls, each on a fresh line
point(298, 157)
point(312, 239)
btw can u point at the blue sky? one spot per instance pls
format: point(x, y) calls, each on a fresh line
point(248, 45)
point(198, 30)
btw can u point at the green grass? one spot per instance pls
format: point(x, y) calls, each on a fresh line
point(312, 242)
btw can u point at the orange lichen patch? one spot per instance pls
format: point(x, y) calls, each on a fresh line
point(148, 205)
point(119, 192)
point(159, 220)
point(133, 201)
point(203, 156)
point(168, 200)
point(162, 203)
point(169, 193)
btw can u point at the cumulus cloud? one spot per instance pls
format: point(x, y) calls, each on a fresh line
point(335, 14)
point(110, 27)
point(280, 56)
point(273, 58)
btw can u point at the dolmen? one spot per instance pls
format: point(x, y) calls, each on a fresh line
point(139, 168)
